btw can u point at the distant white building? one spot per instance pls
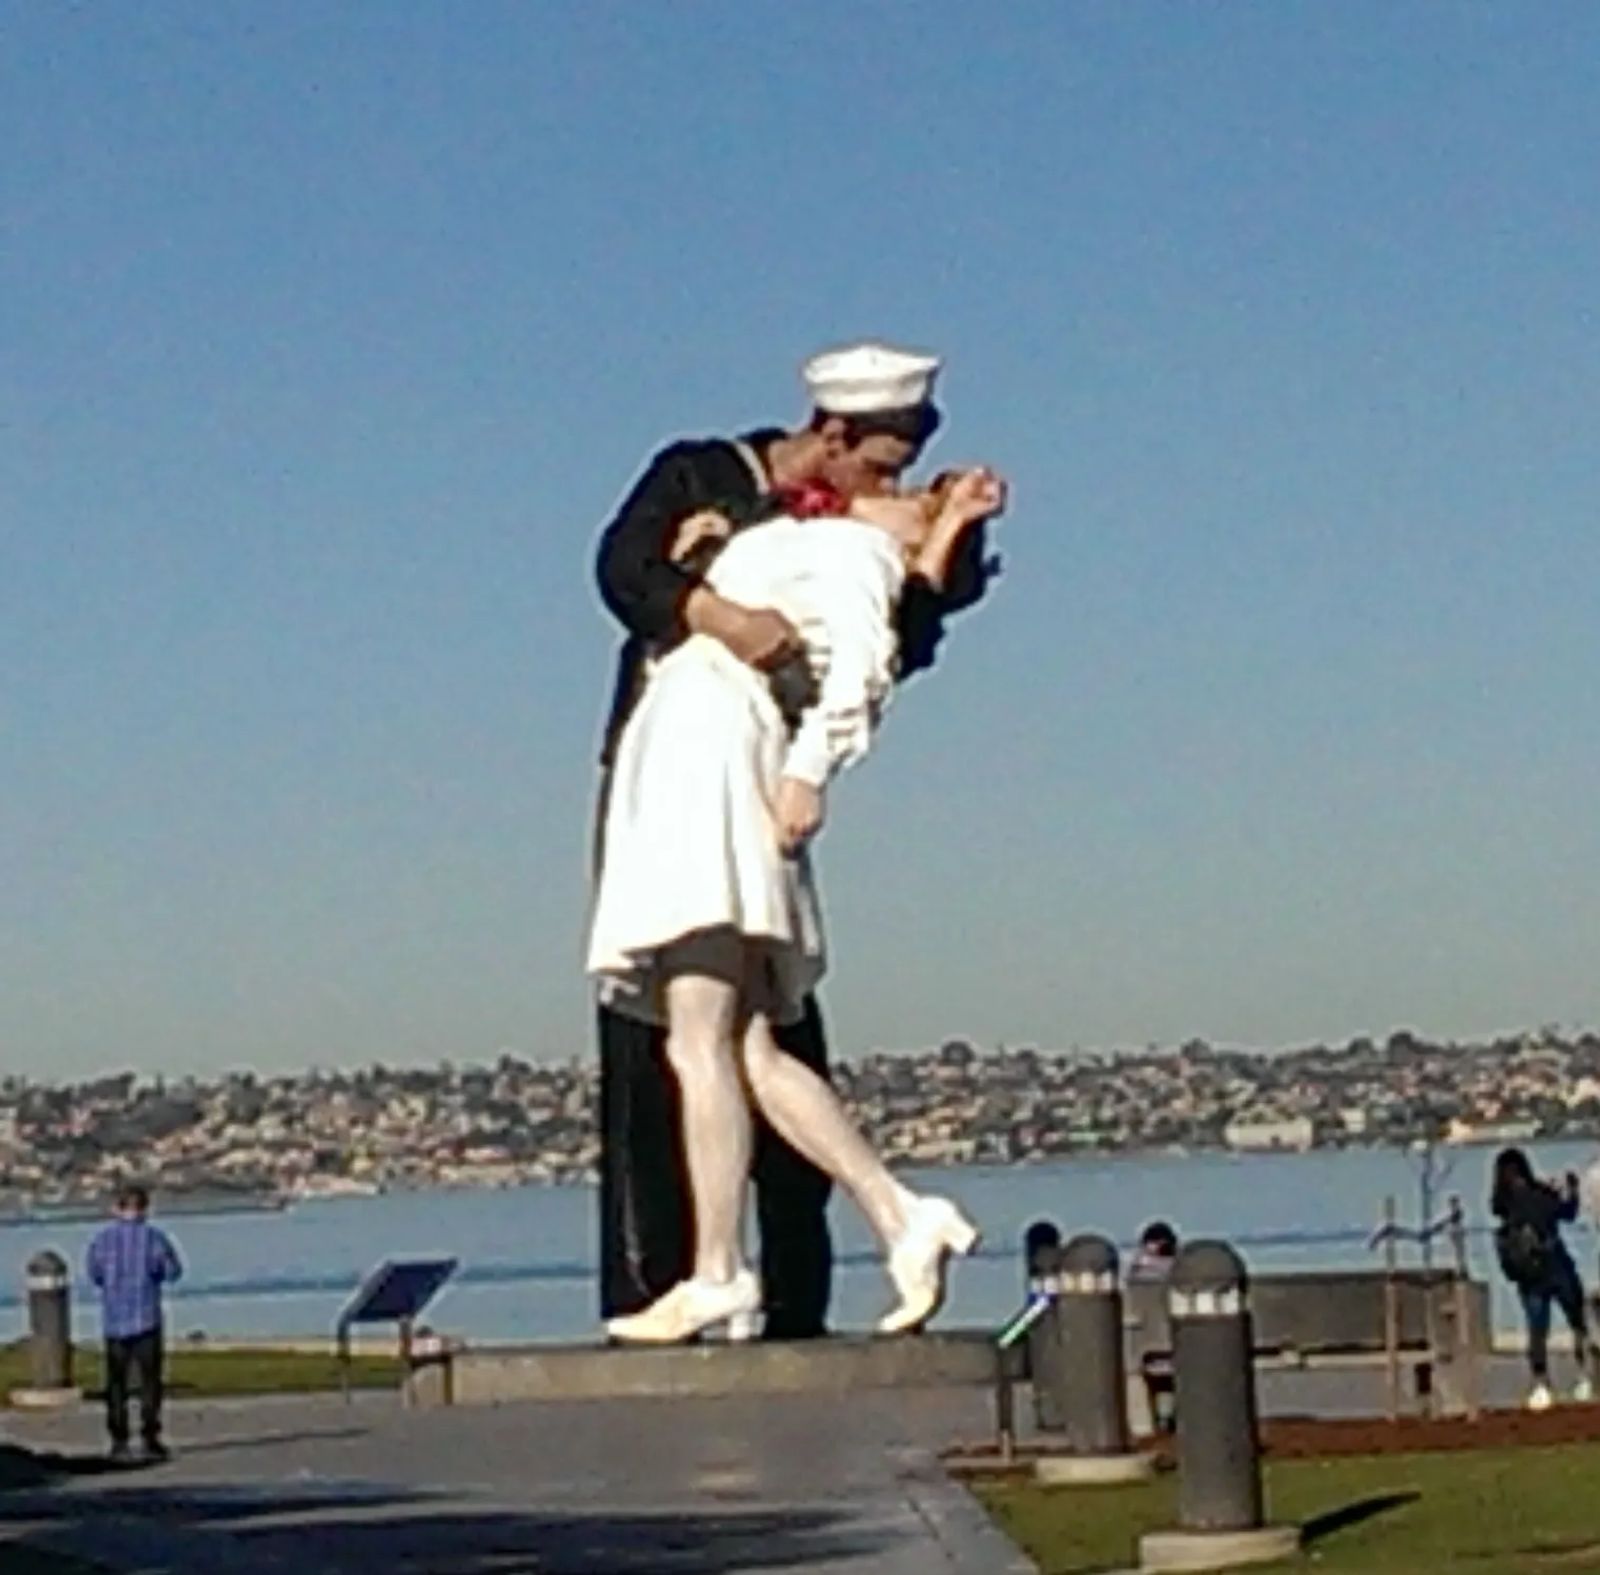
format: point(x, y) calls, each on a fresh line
point(1584, 1089)
point(1286, 1132)
point(1460, 1131)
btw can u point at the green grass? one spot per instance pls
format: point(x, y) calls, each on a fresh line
point(1498, 1512)
point(193, 1373)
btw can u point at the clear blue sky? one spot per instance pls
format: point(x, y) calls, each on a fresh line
point(329, 335)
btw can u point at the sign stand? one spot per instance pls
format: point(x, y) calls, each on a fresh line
point(394, 1292)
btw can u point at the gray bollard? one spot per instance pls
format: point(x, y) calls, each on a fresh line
point(1219, 1486)
point(50, 1321)
point(1219, 1466)
point(1092, 1381)
point(49, 1285)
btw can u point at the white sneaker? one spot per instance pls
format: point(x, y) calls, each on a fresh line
point(1540, 1398)
point(1583, 1391)
point(935, 1228)
point(691, 1307)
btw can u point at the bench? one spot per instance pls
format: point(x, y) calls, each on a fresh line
point(1440, 1327)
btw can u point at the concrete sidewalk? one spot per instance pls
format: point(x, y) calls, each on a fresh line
point(313, 1486)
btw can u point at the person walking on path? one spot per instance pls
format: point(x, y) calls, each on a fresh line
point(130, 1261)
point(1536, 1261)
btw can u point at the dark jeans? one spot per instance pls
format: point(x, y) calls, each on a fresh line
point(1564, 1289)
point(140, 1356)
point(646, 1233)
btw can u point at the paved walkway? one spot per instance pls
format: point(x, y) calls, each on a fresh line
point(769, 1484)
point(313, 1486)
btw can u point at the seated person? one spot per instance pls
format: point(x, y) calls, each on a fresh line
point(1152, 1266)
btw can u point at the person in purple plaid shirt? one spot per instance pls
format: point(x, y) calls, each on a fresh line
point(130, 1260)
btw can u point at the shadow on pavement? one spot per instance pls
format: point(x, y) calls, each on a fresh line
point(355, 1530)
point(26, 1470)
point(220, 1446)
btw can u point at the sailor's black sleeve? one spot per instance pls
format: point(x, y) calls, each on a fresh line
point(641, 586)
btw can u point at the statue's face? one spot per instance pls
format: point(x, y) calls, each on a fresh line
point(871, 467)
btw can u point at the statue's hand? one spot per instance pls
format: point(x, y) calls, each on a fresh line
point(704, 525)
point(799, 809)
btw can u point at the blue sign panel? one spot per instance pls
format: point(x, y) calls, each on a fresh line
point(397, 1289)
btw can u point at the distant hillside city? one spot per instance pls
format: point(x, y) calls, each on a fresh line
point(248, 1140)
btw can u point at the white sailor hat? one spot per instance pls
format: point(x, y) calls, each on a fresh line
point(862, 379)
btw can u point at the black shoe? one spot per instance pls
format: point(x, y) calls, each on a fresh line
point(120, 1454)
point(155, 1451)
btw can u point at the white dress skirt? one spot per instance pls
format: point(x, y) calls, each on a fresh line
point(690, 844)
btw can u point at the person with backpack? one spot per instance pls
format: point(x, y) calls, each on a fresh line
point(1534, 1258)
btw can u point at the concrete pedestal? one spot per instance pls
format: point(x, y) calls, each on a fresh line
point(1216, 1550)
point(1093, 1470)
point(842, 1364)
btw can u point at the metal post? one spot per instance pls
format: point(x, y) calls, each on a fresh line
point(1433, 1356)
point(408, 1363)
point(49, 1321)
point(1219, 1481)
point(49, 1286)
point(342, 1347)
point(1466, 1349)
point(1089, 1317)
point(1091, 1372)
point(1391, 1313)
point(1219, 1467)
point(1425, 1184)
point(1005, 1409)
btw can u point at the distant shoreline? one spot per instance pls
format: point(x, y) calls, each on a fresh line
point(237, 1140)
point(79, 1211)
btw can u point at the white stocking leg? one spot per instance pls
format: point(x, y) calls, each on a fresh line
point(809, 1116)
point(704, 1020)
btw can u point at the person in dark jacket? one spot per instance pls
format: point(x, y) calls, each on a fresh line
point(872, 415)
point(1535, 1259)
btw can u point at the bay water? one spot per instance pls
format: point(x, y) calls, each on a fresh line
point(527, 1255)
